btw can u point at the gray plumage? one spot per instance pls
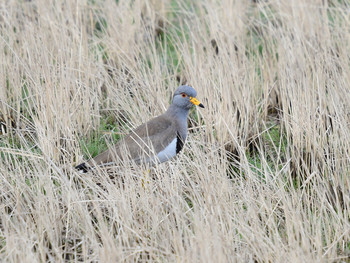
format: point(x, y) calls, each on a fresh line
point(154, 141)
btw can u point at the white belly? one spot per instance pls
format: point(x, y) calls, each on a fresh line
point(169, 152)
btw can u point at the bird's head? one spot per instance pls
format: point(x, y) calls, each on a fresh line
point(185, 97)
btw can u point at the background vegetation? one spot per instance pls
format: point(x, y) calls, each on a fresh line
point(264, 176)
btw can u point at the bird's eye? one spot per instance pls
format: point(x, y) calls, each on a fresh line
point(183, 95)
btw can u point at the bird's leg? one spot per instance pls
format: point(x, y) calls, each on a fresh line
point(145, 178)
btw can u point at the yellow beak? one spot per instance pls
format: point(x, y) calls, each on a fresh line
point(196, 102)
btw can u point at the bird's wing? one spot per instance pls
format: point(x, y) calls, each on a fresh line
point(151, 137)
point(144, 142)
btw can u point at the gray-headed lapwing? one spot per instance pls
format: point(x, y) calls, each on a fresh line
point(157, 140)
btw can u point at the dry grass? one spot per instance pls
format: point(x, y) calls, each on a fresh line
point(264, 176)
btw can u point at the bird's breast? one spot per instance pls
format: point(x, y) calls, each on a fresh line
point(172, 149)
point(179, 143)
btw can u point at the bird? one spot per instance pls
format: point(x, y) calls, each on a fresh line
point(156, 141)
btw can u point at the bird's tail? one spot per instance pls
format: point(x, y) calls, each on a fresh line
point(82, 167)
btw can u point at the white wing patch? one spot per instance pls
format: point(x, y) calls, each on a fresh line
point(169, 152)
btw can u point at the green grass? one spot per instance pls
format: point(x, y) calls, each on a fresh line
point(270, 145)
point(107, 133)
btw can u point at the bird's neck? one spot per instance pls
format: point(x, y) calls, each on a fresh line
point(180, 115)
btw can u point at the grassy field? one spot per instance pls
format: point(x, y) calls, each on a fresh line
point(264, 175)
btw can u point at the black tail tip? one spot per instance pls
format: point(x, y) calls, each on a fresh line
point(82, 167)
